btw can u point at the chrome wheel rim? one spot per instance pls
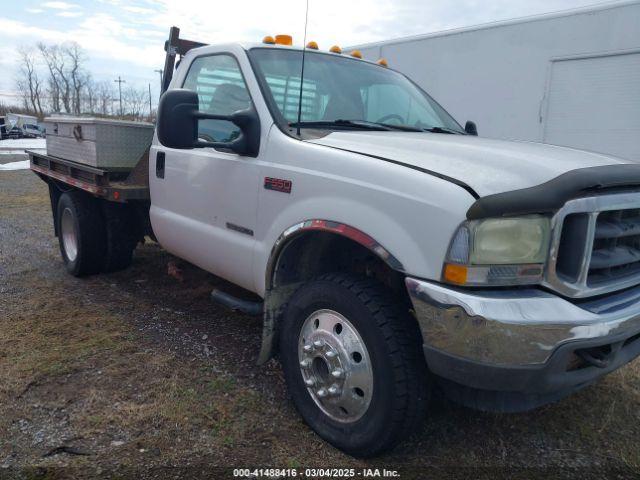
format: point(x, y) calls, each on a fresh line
point(69, 237)
point(335, 366)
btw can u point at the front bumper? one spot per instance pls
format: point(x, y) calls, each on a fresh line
point(524, 340)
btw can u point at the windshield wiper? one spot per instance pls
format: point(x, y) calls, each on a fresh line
point(367, 125)
point(363, 124)
point(402, 128)
point(441, 130)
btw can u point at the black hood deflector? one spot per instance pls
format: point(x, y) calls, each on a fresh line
point(550, 196)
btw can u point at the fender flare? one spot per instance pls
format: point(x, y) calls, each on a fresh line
point(270, 313)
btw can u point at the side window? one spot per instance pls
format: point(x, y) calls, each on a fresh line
point(221, 90)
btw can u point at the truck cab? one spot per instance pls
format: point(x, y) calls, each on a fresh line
point(394, 249)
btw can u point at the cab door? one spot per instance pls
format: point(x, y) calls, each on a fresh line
point(204, 201)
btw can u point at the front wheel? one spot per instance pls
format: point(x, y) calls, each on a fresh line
point(353, 363)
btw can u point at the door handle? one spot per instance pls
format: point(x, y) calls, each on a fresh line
point(160, 164)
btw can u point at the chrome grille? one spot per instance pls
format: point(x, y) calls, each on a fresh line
point(596, 246)
point(616, 246)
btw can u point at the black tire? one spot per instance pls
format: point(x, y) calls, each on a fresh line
point(88, 231)
point(393, 341)
point(121, 238)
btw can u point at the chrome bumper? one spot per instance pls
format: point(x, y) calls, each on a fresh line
point(515, 327)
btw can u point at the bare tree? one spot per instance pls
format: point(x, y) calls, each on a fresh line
point(28, 82)
point(50, 56)
point(78, 77)
point(135, 101)
point(55, 78)
point(104, 97)
point(89, 99)
point(63, 76)
point(67, 76)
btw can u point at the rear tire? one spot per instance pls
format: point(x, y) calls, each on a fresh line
point(371, 368)
point(81, 233)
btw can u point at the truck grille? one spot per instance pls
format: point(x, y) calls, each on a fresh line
point(596, 246)
point(616, 246)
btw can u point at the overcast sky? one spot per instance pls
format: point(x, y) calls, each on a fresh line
point(125, 37)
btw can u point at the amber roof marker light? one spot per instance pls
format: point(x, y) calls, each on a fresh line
point(383, 62)
point(356, 54)
point(269, 40)
point(284, 40)
point(335, 49)
point(312, 45)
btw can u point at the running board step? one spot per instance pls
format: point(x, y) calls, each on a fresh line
point(236, 304)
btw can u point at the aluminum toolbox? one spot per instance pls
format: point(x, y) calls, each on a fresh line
point(98, 142)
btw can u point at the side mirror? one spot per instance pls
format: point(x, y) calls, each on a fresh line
point(178, 115)
point(470, 128)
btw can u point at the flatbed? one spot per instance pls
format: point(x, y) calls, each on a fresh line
point(116, 184)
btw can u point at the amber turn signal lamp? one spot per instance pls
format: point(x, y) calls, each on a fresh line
point(335, 49)
point(455, 274)
point(284, 40)
point(312, 45)
point(268, 39)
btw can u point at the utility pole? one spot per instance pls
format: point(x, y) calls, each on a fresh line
point(119, 81)
point(150, 108)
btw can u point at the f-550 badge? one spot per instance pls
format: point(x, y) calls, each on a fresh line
point(277, 184)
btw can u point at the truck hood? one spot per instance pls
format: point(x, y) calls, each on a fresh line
point(487, 166)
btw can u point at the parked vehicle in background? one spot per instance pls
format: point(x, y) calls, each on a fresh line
point(15, 133)
point(23, 126)
point(31, 130)
point(393, 248)
point(3, 128)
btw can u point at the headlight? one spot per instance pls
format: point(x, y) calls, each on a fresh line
point(499, 251)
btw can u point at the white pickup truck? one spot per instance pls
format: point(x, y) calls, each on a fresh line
point(395, 250)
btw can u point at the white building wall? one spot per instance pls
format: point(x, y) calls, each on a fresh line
point(498, 74)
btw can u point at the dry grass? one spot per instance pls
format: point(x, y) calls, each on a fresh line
point(57, 355)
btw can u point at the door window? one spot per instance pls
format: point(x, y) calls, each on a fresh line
point(221, 90)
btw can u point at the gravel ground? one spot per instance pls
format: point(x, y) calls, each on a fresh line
point(138, 374)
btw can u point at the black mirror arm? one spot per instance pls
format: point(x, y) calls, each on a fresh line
point(198, 115)
point(248, 143)
point(237, 145)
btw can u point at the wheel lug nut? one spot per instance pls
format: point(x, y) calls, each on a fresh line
point(318, 344)
point(331, 354)
point(307, 348)
point(305, 363)
point(337, 373)
point(334, 390)
point(322, 392)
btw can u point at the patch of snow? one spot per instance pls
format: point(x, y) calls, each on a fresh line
point(22, 144)
point(21, 165)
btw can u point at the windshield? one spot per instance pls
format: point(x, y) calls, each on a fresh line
point(341, 88)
